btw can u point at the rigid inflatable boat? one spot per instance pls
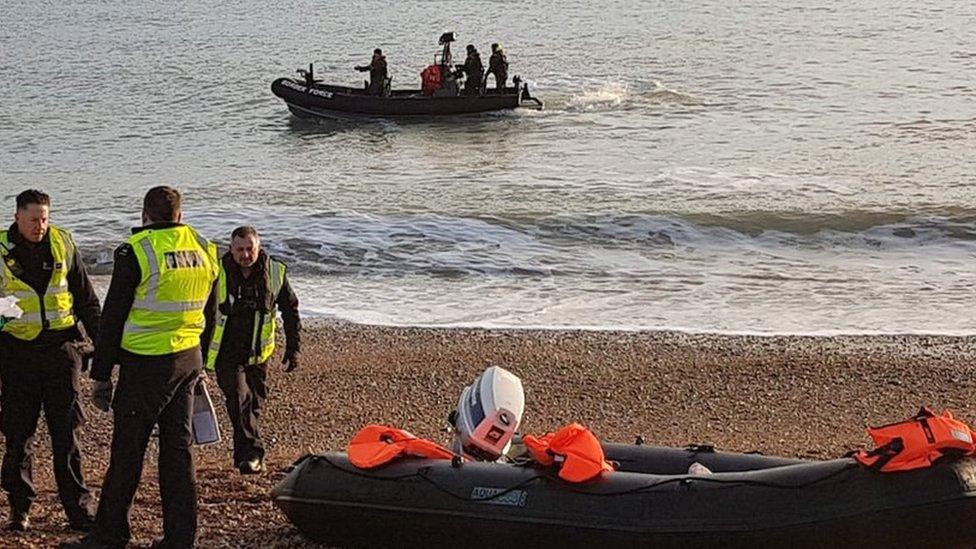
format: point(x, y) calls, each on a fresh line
point(651, 500)
point(439, 94)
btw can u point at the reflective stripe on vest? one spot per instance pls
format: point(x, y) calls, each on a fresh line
point(178, 268)
point(918, 442)
point(55, 309)
point(263, 337)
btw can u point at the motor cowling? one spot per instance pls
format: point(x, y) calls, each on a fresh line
point(431, 80)
point(488, 415)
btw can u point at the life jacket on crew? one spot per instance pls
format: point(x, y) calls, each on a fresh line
point(376, 445)
point(431, 80)
point(575, 447)
point(917, 442)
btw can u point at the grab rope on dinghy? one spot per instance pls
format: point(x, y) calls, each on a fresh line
point(687, 480)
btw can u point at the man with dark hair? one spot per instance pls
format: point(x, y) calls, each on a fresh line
point(39, 361)
point(377, 73)
point(163, 203)
point(498, 65)
point(158, 316)
point(251, 288)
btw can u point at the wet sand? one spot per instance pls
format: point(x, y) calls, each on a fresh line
point(794, 396)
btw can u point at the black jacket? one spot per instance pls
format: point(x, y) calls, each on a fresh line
point(473, 67)
point(498, 64)
point(126, 277)
point(37, 261)
point(250, 294)
point(377, 70)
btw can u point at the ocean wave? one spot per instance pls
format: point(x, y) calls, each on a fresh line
point(595, 246)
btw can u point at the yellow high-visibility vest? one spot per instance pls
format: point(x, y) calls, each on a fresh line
point(263, 337)
point(55, 309)
point(178, 268)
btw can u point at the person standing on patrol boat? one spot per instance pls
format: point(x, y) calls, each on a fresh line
point(377, 73)
point(44, 271)
point(497, 65)
point(251, 288)
point(158, 316)
point(474, 71)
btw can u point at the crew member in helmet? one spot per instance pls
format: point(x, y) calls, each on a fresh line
point(377, 73)
point(474, 71)
point(497, 65)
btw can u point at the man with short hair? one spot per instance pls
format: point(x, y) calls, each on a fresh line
point(42, 268)
point(158, 316)
point(251, 288)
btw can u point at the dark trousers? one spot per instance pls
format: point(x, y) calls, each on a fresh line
point(500, 79)
point(152, 392)
point(472, 86)
point(31, 380)
point(245, 388)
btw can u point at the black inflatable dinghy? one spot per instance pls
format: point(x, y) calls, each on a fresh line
point(650, 501)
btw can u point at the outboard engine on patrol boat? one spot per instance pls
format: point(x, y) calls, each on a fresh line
point(488, 414)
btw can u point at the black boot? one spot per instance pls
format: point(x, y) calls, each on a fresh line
point(82, 523)
point(19, 514)
point(19, 520)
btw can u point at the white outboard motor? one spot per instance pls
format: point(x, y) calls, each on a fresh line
point(488, 414)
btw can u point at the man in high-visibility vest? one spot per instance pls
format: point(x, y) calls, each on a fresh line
point(159, 310)
point(42, 268)
point(251, 289)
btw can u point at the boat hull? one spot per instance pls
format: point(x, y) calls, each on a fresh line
point(323, 101)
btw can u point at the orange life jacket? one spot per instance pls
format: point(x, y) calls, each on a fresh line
point(575, 446)
point(431, 80)
point(376, 445)
point(918, 442)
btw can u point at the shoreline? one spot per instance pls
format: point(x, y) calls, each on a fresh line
point(795, 396)
point(312, 319)
point(313, 316)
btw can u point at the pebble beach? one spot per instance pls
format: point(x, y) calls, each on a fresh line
point(808, 397)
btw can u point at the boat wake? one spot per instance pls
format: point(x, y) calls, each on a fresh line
point(619, 96)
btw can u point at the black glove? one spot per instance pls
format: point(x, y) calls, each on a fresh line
point(290, 361)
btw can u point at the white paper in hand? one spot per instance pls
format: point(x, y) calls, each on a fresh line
point(9, 308)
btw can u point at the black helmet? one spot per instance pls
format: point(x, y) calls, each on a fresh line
point(377, 51)
point(471, 48)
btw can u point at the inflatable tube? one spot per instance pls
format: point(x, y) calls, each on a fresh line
point(651, 501)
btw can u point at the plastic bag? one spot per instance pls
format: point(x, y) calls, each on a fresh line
point(9, 309)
